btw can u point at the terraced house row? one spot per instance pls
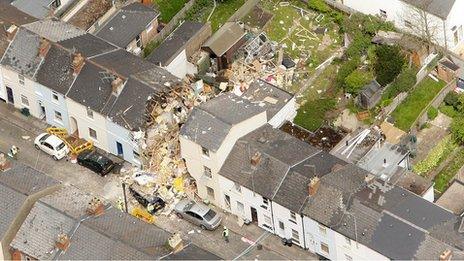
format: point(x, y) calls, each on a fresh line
point(78, 81)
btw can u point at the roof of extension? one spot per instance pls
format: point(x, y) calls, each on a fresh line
point(224, 38)
point(174, 43)
point(23, 53)
point(56, 70)
point(54, 30)
point(88, 44)
point(37, 8)
point(209, 123)
point(439, 8)
point(127, 23)
point(132, 64)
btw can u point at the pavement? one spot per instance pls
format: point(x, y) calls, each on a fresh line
point(246, 243)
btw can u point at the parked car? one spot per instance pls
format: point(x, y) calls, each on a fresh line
point(149, 200)
point(51, 145)
point(95, 161)
point(198, 213)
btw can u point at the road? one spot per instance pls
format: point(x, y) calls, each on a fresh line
point(16, 129)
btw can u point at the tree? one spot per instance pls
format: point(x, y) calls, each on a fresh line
point(356, 81)
point(422, 24)
point(389, 63)
point(457, 129)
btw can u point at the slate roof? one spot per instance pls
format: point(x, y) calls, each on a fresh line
point(192, 252)
point(269, 96)
point(22, 55)
point(25, 179)
point(224, 38)
point(371, 89)
point(37, 8)
point(13, 15)
point(439, 8)
point(127, 23)
point(174, 43)
point(131, 64)
point(88, 45)
point(56, 70)
point(10, 204)
point(209, 123)
point(92, 90)
point(54, 30)
point(3, 36)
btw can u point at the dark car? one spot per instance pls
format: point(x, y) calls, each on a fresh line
point(95, 162)
point(150, 201)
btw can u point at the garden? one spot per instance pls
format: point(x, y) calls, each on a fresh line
point(204, 11)
point(168, 8)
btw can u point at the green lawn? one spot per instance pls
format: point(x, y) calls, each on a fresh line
point(442, 180)
point(169, 8)
point(224, 10)
point(408, 111)
point(311, 115)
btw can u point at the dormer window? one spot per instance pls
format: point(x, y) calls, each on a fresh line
point(205, 152)
point(89, 113)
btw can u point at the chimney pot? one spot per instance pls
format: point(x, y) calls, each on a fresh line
point(43, 48)
point(77, 63)
point(95, 207)
point(256, 159)
point(313, 186)
point(62, 242)
point(116, 85)
point(446, 255)
point(4, 163)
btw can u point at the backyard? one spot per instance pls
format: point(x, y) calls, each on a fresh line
point(202, 9)
point(168, 8)
point(408, 111)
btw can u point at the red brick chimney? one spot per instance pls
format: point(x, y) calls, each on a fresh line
point(43, 48)
point(446, 255)
point(147, 2)
point(11, 31)
point(77, 63)
point(62, 242)
point(95, 208)
point(313, 186)
point(116, 85)
point(256, 158)
point(4, 163)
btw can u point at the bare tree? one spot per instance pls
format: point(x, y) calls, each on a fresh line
point(422, 24)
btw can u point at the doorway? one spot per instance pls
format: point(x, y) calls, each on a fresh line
point(9, 95)
point(43, 114)
point(74, 128)
point(254, 215)
point(119, 148)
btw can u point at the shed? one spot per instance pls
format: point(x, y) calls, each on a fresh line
point(224, 43)
point(370, 95)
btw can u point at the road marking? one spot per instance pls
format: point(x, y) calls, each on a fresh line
point(248, 249)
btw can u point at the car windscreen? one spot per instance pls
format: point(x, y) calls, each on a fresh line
point(60, 146)
point(209, 215)
point(44, 137)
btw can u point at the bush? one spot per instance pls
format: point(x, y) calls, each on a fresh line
point(356, 81)
point(457, 129)
point(365, 24)
point(436, 156)
point(452, 99)
point(432, 113)
point(346, 69)
point(449, 111)
point(389, 63)
point(358, 46)
point(311, 115)
point(403, 83)
point(319, 6)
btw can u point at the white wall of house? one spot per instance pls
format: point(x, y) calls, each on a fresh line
point(287, 113)
point(180, 66)
point(78, 116)
point(196, 161)
point(429, 195)
point(456, 21)
point(2, 87)
point(288, 224)
point(23, 91)
point(54, 104)
point(397, 11)
point(118, 134)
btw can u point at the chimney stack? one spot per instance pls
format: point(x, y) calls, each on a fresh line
point(43, 48)
point(313, 186)
point(11, 31)
point(77, 63)
point(116, 85)
point(446, 255)
point(62, 242)
point(95, 207)
point(175, 242)
point(147, 2)
point(256, 158)
point(4, 163)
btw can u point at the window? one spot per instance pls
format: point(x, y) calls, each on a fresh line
point(55, 96)
point(292, 217)
point(92, 133)
point(407, 24)
point(325, 248)
point(322, 230)
point(89, 113)
point(149, 27)
point(207, 172)
point(295, 236)
point(21, 79)
point(348, 258)
point(24, 100)
point(56, 3)
point(348, 241)
point(383, 13)
point(205, 151)
point(281, 225)
point(267, 220)
point(265, 203)
point(227, 201)
point(240, 207)
point(210, 192)
point(58, 116)
point(136, 155)
point(138, 41)
point(238, 188)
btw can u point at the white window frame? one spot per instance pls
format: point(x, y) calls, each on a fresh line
point(24, 98)
point(237, 187)
point(149, 27)
point(21, 79)
point(240, 207)
point(205, 152)
point(210, 192)
point(322, 230)
point(89, 113)
point(326, 246)
point(60, 118)
point(207, 172)
point(57, 99)
point(292, 217)
point(90, 134)
point(295, 236)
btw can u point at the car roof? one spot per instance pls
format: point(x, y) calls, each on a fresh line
point(200, 209)
point(53, 140)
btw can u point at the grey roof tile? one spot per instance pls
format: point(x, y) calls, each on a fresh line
point(69, 200)
point(224, 38)
point(13, 15)
point(10, 204)
point(38, 8)
point(127, 23)
point(132, 64)
point(54, 30)
point(88, 45)
point(56, 70)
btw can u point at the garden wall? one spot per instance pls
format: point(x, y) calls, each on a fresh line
point(423, 118)
point(243, 10)
point(396, 101)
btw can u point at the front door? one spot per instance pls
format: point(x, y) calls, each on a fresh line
point(254, 215)
point(119, 148)
point(9, 94)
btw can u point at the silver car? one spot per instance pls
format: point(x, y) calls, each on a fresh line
point(198, 213)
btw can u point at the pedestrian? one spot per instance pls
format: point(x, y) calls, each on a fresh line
point(120, 204)
point(225, 234)
point(13, 152)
